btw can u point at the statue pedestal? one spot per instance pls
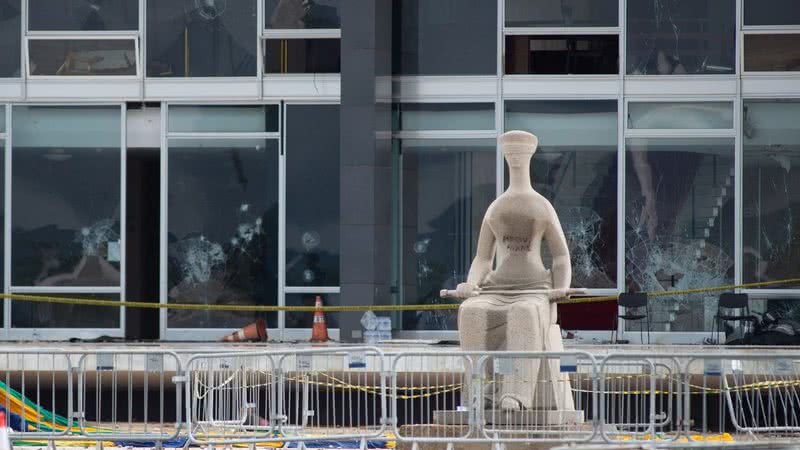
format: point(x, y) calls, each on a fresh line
point(534, 418)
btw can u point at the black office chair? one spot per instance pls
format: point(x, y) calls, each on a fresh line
point(633, 300)
point(731, 301)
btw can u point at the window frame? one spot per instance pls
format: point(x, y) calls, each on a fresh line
point(83, 36)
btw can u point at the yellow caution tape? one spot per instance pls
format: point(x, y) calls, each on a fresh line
point(431, 307)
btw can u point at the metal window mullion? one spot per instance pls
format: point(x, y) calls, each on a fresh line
point(445, 134)
point(311, 289)
point(680, 133)
point(499, 105)
point(81, 35)
point(303, 33)
point(123, 176)
point(260, 49)
point(770, 29)
point(282, 220)
point(163, 325)
point(142, 34)
point(221, 135)
point(65, 289)
point(7, 221)
point(560, 31)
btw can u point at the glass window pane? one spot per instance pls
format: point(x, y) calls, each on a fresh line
point(446, 187)
point(81, 57)
point(586, 54)
point(52, 315)
point(312, 192)
point(445, 37)
point(10, 38)
point(293, 14)
point(680, 115)
point(562, 13)
point(679, 226)
point(575, 167)
point(2, 118)
point(445, 116)
point(220, 118)
point(66, 196)
point(686, 37)
point(302, 56)
point(306, 320)
point(83, 15)
point(222, 232)
point(771, 190)
point(771, 12)
point(771, 52)
point(201, 39)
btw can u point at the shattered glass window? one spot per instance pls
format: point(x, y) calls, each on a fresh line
point(447, 184)
point(679, 226)
point(10, 38)
point(575, 167)
point(771, 190)
point(222, 229)
point(66, 196)
point(675, 37)
point(312, 195)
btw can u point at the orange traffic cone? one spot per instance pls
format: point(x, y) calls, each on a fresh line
point(319, 331)
point(256, 331)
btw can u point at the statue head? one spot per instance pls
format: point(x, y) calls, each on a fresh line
point(518, 148)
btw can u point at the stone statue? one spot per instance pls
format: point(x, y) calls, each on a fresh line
point(509, 308)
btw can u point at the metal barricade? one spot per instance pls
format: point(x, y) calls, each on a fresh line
point(320, 394)
point(641, 398)
point(125, 395)
point(431, 397)
point(332, 394)
point(493, 397)
point(231, 397)
point(31, 393)
point(758, 394)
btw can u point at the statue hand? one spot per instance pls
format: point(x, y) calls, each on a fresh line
point(465, 290)
point(560, 293)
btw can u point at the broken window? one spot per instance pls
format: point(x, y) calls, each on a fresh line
point(575, 168)
point(771, 190)
point(681, 37)
point(679, 225)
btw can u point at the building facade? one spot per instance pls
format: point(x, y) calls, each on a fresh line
point(238, 152)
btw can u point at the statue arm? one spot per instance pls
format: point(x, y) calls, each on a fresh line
point(482, 263)
point(557, 243)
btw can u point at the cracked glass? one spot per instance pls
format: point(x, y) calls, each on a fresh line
point(771, 191)
point(447, 184)
point(679, 226)
point(65, 218)
point(575, 168)
point(222, 229)
point(677, 37)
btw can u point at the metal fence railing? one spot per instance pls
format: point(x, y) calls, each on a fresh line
point(361, 395)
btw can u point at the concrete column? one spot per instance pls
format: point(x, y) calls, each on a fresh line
point(365, 163)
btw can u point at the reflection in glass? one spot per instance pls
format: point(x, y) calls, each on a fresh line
point(312, 195)
point(548, 55)
point(562, 13)
point(771, 52)
point(771, 191)
point(771, 12)
point(444, 37)
point(681, 37)
point(293, 14)
point(446, 187)
point(223, 118)
point(51, 315)
point(10, 38)
point(680, 115)
point(302, 56)
point(575, 168)
point(81, 57)
point(444, 116)
point(212, 38)
point(306, 320)
point(66, 196)
point(83, 15)
point(679, 214)
point(222, 232)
